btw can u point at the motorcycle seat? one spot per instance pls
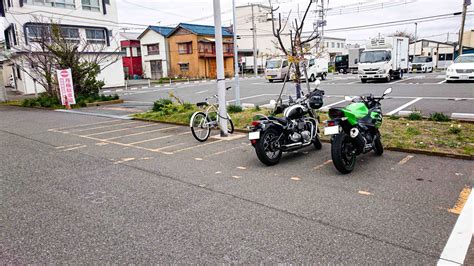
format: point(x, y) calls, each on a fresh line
point(280, 120)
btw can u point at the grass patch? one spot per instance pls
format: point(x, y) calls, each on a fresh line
point(232, 109)
point(439, 117)
point(46, 101)
point(423, 135)
point(415, 115)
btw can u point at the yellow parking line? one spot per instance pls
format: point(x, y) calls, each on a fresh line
point(197, 146)
point(147, 140)
point(91, 124)
point(405, 160)
point(463, 196)
point(141, 133)
point(116, 130)
point(322, 165)
point(114, 125)
point(170, 146)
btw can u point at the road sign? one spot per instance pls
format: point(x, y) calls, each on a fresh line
point(66, 87)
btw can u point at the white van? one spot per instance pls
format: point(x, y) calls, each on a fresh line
point(276, 69)
point(315, 67)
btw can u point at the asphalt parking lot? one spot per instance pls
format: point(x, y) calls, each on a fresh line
point(425, 92)
point(93, 189)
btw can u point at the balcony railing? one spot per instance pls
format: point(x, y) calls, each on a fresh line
point(211, 52)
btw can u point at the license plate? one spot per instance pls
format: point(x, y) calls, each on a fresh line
point(464, 77)
point(254, 135)
point(331, 130)
point(269, 77)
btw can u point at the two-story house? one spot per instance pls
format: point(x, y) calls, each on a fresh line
point(132, 57)
point(154, 49)
point(93, 22)
point(193, 53)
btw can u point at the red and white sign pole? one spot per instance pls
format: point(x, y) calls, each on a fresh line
point(66, 87)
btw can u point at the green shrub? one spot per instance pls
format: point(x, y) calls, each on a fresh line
point(257, 108)
point(394, 117)
point(234, 108)
point(440, 117)
point(160, 104)
point(415, 115)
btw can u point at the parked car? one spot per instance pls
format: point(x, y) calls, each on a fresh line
point(276, 69)
point(461, 69)
point(421, 64)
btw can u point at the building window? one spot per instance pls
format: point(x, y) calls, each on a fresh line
point(92, 5)
point(53, 3)
point(153, 49)
point(184, 67)
point(18, 72)
point(37, 32)
point(70, 34)
point(95, 35)
point(185, 48)
point(139, 51)
point(124, 51)
point(228, 48)
point(332, 45)
point(449, 57)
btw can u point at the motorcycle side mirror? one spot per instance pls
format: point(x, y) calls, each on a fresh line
point(317, 83)
point(387, 91)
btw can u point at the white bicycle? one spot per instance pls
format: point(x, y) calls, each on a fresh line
point(202, 122)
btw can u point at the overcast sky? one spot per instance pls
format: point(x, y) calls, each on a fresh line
point(166, 12)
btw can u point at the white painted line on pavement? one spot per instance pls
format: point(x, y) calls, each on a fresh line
point(457, 246)
point(119, 90)
point(75, 148)
point(94, 114)
point(405, 160)
point(133, 89)
point(106, 91)
point(199, 92)
point(138, 102)
point(400, 80)
point(116, 130)
point(441, 82)
point(145, 87)
point(354, 82)
point(326, 108)
point(404, 106)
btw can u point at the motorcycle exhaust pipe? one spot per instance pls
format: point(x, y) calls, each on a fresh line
point(294, 146)
point(357, 139)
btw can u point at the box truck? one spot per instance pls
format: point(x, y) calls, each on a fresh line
point(316, 67)
point(348, 63)
point(385, 58)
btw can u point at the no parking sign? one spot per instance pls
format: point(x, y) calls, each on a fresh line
point(66, 87)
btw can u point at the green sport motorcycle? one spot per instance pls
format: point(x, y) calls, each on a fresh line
point(354, 130)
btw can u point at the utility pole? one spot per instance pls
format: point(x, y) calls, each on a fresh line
point(236, 58)
point(416, 38)
point(220, 69)
point(447, 38)
point(254, 32)
point(463, 21)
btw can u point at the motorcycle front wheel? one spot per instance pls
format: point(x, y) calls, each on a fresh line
point(343, 153)
point(267, 147)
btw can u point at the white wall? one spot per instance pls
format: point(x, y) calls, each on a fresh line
point(152, 37)
point(113, 75)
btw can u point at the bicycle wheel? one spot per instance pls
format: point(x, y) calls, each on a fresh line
point(200, 126)
point(230, 125)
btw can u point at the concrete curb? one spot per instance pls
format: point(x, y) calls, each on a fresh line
point(429, 153)
point(94, 114)
point(104, 103)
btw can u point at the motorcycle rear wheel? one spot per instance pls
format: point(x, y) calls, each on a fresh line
point(268, 151)
point(378, 147)
point(343, 154)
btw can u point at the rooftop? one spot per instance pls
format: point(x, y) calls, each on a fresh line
point(203, 29)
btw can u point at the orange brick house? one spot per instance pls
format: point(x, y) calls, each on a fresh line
point(193, 54)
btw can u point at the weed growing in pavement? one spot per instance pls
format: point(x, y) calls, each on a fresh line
point(440, 117)
point(415, 115)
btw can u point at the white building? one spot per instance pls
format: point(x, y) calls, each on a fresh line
point(155, 54)
point(442, 52)
point(335, 46)
point(267, 46)
point(91, 21)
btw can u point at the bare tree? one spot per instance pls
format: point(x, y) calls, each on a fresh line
point(298, 44)
point(50, 46)
point(401, 33)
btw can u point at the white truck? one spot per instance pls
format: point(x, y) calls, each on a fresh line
point(316, 67)
point(385, 58)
